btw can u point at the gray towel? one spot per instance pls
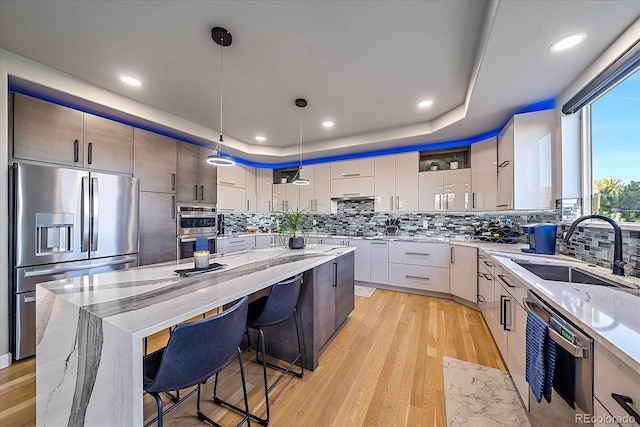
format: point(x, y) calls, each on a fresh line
point(540, 357)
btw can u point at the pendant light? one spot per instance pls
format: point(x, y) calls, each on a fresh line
point(298, 179)
point(223, 38)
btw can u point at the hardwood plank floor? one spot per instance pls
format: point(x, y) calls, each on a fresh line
point(382, 368)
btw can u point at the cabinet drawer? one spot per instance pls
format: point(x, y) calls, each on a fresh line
point(419, 253)
point(434, 279)
point(235, 243)
point(354, 187)
point(611, 375)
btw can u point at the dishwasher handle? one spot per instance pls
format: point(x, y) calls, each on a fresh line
point(576, 351)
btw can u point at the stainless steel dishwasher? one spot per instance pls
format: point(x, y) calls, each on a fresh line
point(580, 348)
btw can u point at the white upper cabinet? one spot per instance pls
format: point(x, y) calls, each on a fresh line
point(353, 187)
point(285, 197)
point(307, 192)
point(484, 174)
point(250, 188)
point(525, 149)
point(264, 189)
point(448, 190)
point(355, 168)
point(322, 188)
point(396, 182)
point(233, 176)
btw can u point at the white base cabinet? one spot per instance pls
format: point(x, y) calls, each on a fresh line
point(463, 272)
point(419, 265)
point(379, 262)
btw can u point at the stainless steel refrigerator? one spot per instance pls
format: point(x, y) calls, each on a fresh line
point(65, 223)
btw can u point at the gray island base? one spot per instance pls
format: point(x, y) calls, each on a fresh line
point(90, 328)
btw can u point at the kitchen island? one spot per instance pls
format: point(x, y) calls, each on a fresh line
point(90, 329)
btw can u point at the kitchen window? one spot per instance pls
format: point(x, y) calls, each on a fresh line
point(612, 152)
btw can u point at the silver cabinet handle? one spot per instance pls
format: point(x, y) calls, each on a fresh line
point(379, 243)
point(416, 253)
point(391, 202)
point(416, 277)
point(227, 183)
point(195, 187)
point(487, 263)
point(481, 298)
point(473, 200)
point(173, 207)
point(350, 194)
point(335, 274)
point(247, 205)
point(173, 182)
point(350, 174)
point(453, 255)
point(236, 241)
point(90, 153)
point(506, 282)
point(269, 205)
point(29, 299)
point(397, 202)
point(75, 151)
point(202, 192)
point(95, 208)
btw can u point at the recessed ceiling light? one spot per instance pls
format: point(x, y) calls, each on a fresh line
point(568, 42)
point(426, 103)
point(327, 124)
point(260, 138)
point(130, 80)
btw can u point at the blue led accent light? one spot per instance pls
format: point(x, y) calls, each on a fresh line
point(537, 106)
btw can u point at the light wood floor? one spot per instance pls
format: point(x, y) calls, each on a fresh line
point(382, 368)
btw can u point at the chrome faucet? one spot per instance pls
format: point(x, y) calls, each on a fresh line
point(618, 263)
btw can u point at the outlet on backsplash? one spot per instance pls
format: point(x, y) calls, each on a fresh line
point(425, 224)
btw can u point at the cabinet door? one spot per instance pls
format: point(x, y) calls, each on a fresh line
point(322, 188)
point(325, 303)
point(232, 175)
point(463, 275)
point(362, 258)
point(505, 167)
point(457, 190)
point(435, 279)
point(406, 182)
point(307, 192)
point(354, 187)
point(187, 175)
point(154, 161)
point(292, 196)
point(157, 228)
point(500, 314)
point(516, 359)
point(231, 199)
point(108, 145)
point(208, 175)
point(430, 187)
point(343, 282)
point(484, 174)
point(250, 188)
point(352, 168)
point(385, 183)
point(379, 262)
point(46, 132)
point(279, 202)
point(264, 189)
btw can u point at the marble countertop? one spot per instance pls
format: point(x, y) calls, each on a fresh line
point(144, 300)
point(610, 316)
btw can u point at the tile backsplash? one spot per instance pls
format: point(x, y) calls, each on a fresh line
point(358, 218)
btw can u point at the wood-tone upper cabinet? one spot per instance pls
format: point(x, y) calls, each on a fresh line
point(208, 177)
point(46, 132)
point(264, 190)
point(154, 161)
point(49, 132)
point(108, 145)
point(196, 179)
point(484, 174)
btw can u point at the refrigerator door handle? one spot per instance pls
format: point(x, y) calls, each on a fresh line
point(95, 196)
point(84, 226)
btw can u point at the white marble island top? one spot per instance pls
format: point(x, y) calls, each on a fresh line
point(89, 329)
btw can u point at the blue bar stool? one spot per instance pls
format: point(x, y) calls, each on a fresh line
point(270, 310)
point(195, 351)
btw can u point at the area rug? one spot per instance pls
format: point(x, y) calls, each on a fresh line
point(476, 395)
point(363, 291)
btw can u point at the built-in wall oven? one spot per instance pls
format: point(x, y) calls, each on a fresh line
point(572, 396)
point(193, 222)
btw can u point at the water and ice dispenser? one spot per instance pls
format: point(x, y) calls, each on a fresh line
point(54, 233)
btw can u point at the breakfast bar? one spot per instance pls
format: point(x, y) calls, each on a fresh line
point(90, 328)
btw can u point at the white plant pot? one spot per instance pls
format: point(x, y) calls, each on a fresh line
point(453, 165)
point(283, 180)
point(433, 168)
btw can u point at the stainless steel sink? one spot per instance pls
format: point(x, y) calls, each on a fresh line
point(571, 274)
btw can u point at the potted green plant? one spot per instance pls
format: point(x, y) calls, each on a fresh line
point(453, 161)
point(283, 178)
point(434, 166)
point(293, 227)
